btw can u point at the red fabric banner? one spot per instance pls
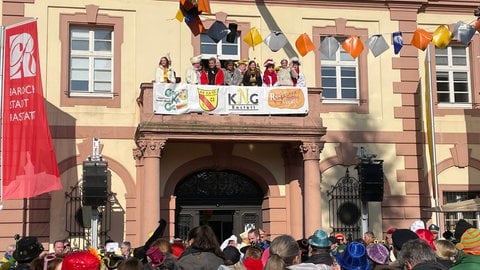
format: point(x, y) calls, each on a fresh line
point(29, 165)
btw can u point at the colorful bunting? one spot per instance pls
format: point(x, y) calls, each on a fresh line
point(253, 37)
point(179, 16)
point(463, 32)
point(304, 44)
point(218, 31)
point(477, 25)
point(421, 39)
point(353, 45)
point(329, 46)
point(204, 6)
point(397, 40)
point(275, 41)
point(442, 37)
point(195, 25)
point(377, 45)
point(186, 4)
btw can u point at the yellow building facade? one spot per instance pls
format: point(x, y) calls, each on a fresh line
point(288, 171)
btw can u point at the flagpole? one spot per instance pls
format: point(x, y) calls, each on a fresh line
point(433, 140)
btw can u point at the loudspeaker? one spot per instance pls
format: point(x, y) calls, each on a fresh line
point(95, 188)
point(233, 32)
point(371, 182)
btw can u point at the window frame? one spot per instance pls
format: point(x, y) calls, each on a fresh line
point(219, 48)
point(90, 18)
point(340, 29)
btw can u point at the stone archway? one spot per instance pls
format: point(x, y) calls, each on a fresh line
point(228, 201)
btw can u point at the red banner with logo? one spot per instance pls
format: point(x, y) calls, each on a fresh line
point(29, 165)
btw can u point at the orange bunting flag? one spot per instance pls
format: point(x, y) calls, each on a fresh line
point(304, 44)
point(442, 37)
point(353, 45)
point(253, 37)
point(196, 26)
point(421, 38)
point(477, 25)
point(186, 4)
point(204, 6)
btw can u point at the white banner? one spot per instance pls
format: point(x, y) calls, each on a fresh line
point(186, 98)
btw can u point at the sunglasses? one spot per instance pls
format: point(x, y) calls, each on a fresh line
point(48, 258)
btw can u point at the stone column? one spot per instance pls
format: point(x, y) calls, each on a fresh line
point(311, 188)
point(293, 175)
point(149, 186)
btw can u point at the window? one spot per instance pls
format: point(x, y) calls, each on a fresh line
point(91, 62)
point(339, 75)
point(453, 75)
point(223, 49)
point(452, 218)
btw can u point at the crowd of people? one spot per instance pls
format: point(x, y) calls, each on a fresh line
point(414, 248)
point(242, 72)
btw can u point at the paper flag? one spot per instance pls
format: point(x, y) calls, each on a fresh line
point(421, 39)
point(179, 16)
point(253, 37)
point(218, 31)
point(186, 4)
point(329, 47)
point(442, 37)
point(397, 40)
point(275, 41)
point(377, 44)
point(196, 25)
point(304, 44)
point(463, 32)
point(204, 6)
point(353, 45)
point(477, 25)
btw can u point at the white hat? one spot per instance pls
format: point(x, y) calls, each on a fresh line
point(268, 62)
point(196, 59)
point(295, 60)
point(227, 241)
point(416, 225)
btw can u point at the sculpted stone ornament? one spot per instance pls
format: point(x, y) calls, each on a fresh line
point(311, 150)
point(149, 148)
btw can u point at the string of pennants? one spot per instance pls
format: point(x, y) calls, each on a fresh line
point(190, 10)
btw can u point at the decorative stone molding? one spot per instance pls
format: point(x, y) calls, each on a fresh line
point(149, 148)
point(311, 150)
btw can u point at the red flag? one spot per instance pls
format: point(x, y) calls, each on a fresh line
point(29, 165)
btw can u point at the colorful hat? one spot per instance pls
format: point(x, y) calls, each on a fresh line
point(354, 257)
point(470, 239)
point(417, 224)
point(320, 239)
point(196, 59)
point(269, 62)
point(295, 60)
point(391, 230)
point(426, 236)
point(156, 256)
point(339, 236)
point(242, 62)
point(177, 249)
point(112, 261)
point(400, 236)
point(28, 248)
point(378, 253)
point(82, 260)
point(433, 228)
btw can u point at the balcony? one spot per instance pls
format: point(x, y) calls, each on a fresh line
point(229, 127)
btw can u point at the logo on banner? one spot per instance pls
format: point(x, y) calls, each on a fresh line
point(243, 100)
point(208, 99)
point(22, 61)
point(288, 98)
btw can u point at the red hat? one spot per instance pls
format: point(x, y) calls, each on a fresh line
point(269, 62)
point(339, 236)
point(177, 249)
point(82, 260)
point(391, 230)
point(426, 236)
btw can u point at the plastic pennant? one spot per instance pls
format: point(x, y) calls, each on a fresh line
point(477, 25)
point(218, 31)
point(186, 4)
point(204, 6)
point(275, 41)
point(397, 40)
point(463, 32)
point(441, 37)
point(304, 44)
point(179, 16)
point(377, 45)
point(253, 37)
point(353, 45)
point(329, 47)
point(421, 39)
point(196, 25)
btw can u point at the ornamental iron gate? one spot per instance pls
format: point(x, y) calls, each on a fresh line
point(344, 205)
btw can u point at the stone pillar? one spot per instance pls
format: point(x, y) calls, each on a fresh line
point(148, 186)
point(311, 188)
point(293, 175)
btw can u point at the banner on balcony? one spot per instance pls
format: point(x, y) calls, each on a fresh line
point(249, 100)
point(29, 165)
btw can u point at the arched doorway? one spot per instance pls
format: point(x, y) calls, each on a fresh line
point(227, 201)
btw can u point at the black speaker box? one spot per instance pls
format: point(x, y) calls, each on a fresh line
point(233, 32)
point(371, 182)
point(95, 187)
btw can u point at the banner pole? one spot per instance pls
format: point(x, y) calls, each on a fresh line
point(2, 71)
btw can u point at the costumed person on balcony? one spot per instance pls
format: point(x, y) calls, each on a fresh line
point(286, 73)
point(211, 74)
point(253, 76)
point(270, 76)
point(164, 72)
point(300, 79)
point(192, 75)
